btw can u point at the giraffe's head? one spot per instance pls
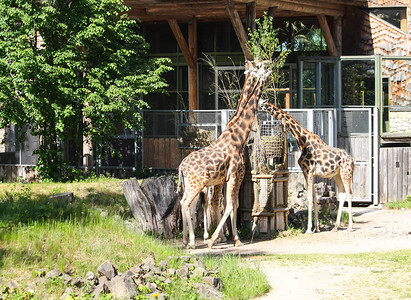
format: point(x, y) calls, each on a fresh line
point(259, 70)
point(262, 104)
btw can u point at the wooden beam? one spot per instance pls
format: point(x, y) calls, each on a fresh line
point(182, 42)
point(304, 6)
point(192, 70)
point(238, 27)
point(337, 33)
point(271, 11)
point(332, 50)
point(251, 15)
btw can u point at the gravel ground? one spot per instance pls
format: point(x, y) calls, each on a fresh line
point(375, 229)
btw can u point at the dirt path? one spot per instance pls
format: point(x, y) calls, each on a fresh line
point(375, 229)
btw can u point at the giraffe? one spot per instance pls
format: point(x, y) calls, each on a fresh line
point(319, 159)
point(223, 160)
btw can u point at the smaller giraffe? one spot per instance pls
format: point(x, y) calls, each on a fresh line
point(212, 198)
point(319, 159)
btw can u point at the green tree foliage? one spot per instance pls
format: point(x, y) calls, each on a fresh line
point(70, 69)
point(264, 44)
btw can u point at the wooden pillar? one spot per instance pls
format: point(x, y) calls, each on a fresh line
point(332, 50)
point(192, 70)
point(251, 15)
point(337, 33)
point(190, 54)
point(238, 27)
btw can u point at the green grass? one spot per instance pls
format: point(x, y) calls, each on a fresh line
point(406, 204)
point(384, 275)
point(237, 277)
point(38, 233)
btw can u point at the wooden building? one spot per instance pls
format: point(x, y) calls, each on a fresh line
point(358, 69)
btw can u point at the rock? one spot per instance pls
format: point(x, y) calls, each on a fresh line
point(78, 282)
point(123, 287)
point(151, 286)
point(107, 269)
point(185, 258)
point(12, 285)
point(199, 272)
point(163, 264)
point(30, 288)
point(68, 294)
point(53, 274)
point(66, 278)
point(199, 263)
point(90, 276)
point(214, 282)
point(149, 262)
point(207, 291)
point(67, 197)
point(183, 272)
point(102, 287)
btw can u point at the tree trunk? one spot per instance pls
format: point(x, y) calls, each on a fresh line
point(154, 204)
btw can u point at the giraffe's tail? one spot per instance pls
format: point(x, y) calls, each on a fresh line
point(180, 182)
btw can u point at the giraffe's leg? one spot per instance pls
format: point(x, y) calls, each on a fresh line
point(349, 194)
point(316, 221)
point(189, 195)
point(310, 190)
point(218, 210)
point(228, 209)
point(240, 177)
point(341, 200)
point(184, 221)
point(206, 214)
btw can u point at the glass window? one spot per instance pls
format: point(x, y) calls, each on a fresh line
point(396, 95)
point(393, 15)
point(309, 82)
point(328, 84)
point(358, 82)
point(161, 38)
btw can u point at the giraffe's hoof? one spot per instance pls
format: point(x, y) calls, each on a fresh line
point(309, 232)
point(191, 246)
point(238, 243)
point(335, 229)
point(209, 243)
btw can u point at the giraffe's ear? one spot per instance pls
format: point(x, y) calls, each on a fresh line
point(262, 103)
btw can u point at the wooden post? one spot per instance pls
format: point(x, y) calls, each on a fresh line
point(192, 73)
point(238, 27)
point(332, 50)
point(190, 54)
point(338, 34)
point(251, 14)
point(271, 11)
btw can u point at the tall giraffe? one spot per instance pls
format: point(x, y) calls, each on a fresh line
point(319, 159)
point(223, 160)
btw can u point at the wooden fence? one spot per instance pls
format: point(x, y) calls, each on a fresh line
point(395, 174)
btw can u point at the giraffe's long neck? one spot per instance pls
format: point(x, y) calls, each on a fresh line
point(239, 126)
point(299, 132)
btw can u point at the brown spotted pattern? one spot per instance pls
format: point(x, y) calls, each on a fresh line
point(222, 161)
point(319, 159)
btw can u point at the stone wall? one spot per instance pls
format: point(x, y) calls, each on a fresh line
point(400, 121)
